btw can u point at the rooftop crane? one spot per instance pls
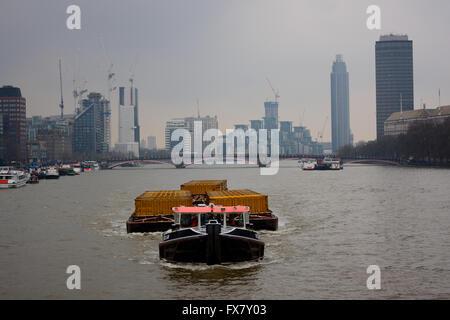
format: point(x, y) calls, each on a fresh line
point(275, 92)
point(61, 105)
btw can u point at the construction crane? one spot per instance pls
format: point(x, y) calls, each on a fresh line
point(321, 133)
point(302, 118)
point(78, 90)
point(78, 93)
point(61, 105)
point(275, 92)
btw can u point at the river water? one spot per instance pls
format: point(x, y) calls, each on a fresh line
point(332, 226)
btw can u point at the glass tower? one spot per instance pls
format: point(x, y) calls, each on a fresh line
point(394, 77)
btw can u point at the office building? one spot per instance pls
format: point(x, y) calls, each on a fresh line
point(394, 77)
point(188, 123)
point(270, 115)
point(50, 138)
point(256, 124)
point(13, 134)
point(399, 122)
point(171, 126)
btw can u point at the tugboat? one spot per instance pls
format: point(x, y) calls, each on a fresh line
point(212, 235)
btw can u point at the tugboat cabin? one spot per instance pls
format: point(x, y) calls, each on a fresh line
point(227, 217)
point(211, 234)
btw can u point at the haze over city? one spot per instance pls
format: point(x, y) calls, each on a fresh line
point(219, 52)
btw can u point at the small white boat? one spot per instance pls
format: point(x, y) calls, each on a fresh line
point(332, 164)
point(77, 168)
point(10, 178)
point(52, 173)
point(308, 163)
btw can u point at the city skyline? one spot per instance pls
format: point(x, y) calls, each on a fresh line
point(227, 74)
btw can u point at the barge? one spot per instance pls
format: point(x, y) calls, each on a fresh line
point(153, 209)
point(212, 235)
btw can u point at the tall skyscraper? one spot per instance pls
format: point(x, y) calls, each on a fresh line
point(13, 125)
point(270, 115)
point(137, 128)
point(127, 122)
point(91, 126)
point(129, 96)
point(340, 114)
point(394, 77)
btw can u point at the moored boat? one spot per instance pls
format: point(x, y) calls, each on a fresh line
point(77, 168)
point(308, 163)
point(33, 179)
point(10, 178)
point(332, 164)
point(212, 235)
point(52, 173)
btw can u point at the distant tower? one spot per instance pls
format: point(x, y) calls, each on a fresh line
point(340, 114)
point(13, 125)
point(127, 121)
point(271, 115)
point(91, 126)
point(394, 77)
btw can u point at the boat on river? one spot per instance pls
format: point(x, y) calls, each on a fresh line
point(320, 164)
point(52, 173)
point(308, 163)
point(212, 235)
point(10, 178)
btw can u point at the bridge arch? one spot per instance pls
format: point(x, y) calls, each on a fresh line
point(142, 161)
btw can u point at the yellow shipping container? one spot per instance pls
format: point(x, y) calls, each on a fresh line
point(203, 186)
point(257, 202)
point(153, 203)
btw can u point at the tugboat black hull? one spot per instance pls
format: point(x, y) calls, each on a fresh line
point(212, 248)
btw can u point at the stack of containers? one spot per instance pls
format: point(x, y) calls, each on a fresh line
point(257, 202)
point(152, 203)
point(204, 186)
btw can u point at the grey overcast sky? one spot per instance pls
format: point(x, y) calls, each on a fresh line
point(219, 51)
